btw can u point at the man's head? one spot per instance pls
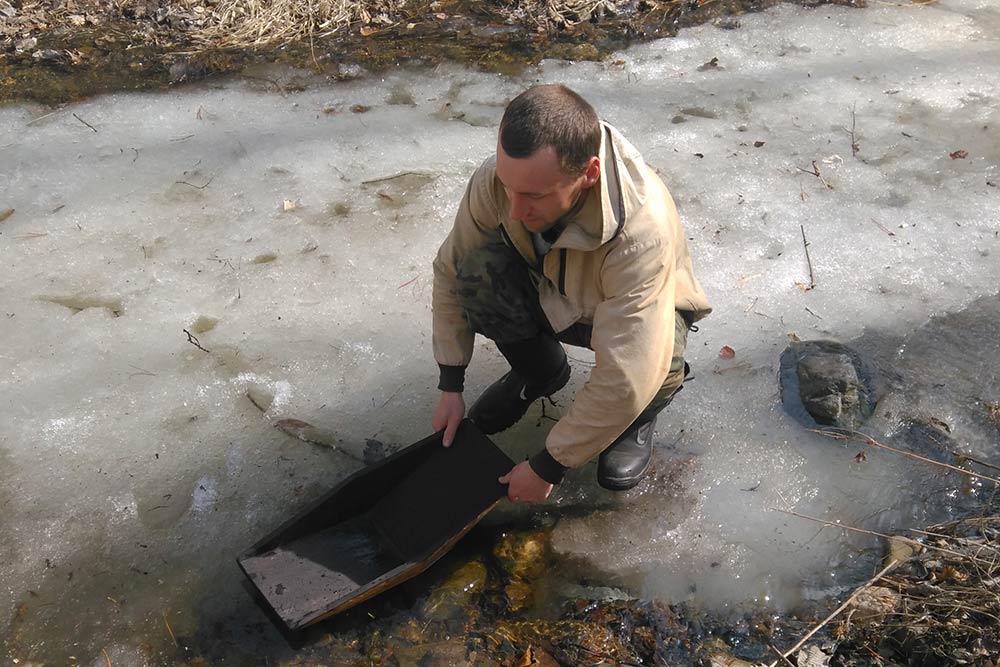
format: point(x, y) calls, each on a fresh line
point(547, 154)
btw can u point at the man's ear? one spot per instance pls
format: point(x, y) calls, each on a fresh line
point(592, 174)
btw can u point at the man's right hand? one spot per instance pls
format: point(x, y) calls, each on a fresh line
point(448, 415)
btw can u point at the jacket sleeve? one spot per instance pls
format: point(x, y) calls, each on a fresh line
point(475, 223)
point(633, 339)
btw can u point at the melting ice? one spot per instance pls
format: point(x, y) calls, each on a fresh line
point(221, 240)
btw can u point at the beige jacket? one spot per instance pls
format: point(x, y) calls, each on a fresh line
point(621, 265)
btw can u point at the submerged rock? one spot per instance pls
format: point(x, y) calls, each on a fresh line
point(522, 557)
point(714, 652)
point(827, 383)
point(874, 604)
point(453, 599)
point(448, 652)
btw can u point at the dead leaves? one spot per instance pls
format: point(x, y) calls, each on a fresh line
point(993, 412)
point(727, 352)
point(533, 657)
point(526, 660)
point(958, 155)
point(6, 213)
point(712, 64)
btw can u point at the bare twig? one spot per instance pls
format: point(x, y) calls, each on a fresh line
point(106, 656)
point(198, 187)
point(882, 227)
point(813, 314)
point(837, 611)
point(194, 340)
point(857, 436)
point(394, 176)
point(908, 540)
point(854, 124)
point(41, 118)
point(805, 245)
point(85, 122)
point(142, 371)
point(966, 457)
point(393, 395)
point(169, 630)
point(781, 655)
point(815, 172)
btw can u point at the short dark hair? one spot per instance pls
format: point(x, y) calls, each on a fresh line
point(551, 115)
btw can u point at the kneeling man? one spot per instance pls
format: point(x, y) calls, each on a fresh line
point(566, 236)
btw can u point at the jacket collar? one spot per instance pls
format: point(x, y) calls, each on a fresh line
point(606, 208)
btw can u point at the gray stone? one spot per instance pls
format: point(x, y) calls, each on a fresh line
point(49, 55)
point(826, 383)
point(25, 44)
point(828, 387)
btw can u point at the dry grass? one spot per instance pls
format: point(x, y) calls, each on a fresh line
point(944, 604)
point(256, 23)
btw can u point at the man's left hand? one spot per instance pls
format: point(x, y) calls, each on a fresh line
point(524, 486)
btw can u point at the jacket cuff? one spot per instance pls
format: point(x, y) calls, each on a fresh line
point(452, 378)
point(546, 467)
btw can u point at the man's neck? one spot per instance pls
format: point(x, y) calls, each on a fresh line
point(552, 233)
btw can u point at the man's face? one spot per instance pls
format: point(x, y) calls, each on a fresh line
point(540, 192)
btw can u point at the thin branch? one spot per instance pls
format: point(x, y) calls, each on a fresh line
point(837, 611)
point(782, 656)
point(85, 122)
point(394, 176)
point(854, 125)
point(805, 245)
point(41, 118)
point(907, 540)
point(393, 395)
point(976, 461)
point(198, 187)
point(194, 340)
point(815, 172)
point(142, 371)
point(882, 227)
point(169, 630)
point(867, 439)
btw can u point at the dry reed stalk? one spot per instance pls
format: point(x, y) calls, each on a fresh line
point(257, 23)
point(857, 436)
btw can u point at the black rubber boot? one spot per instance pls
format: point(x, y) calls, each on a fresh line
point(538, 368)
point(625, 462)
point(623, 465)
